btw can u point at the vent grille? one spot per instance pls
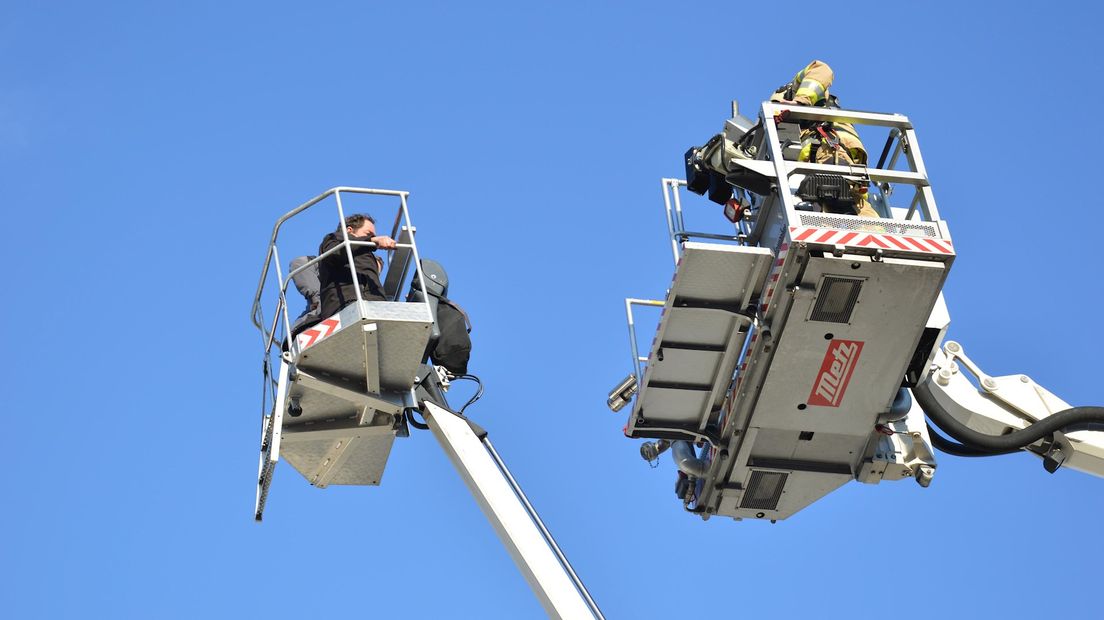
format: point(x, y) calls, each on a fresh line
point(836, 299)
point(854, 222)
point(764, 490)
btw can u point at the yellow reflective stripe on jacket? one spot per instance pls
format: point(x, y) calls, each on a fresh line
point(807, 149)
point(811, 90)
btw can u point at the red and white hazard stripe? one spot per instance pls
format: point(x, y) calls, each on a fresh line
point(884, 241)
point(318, 332)
point(775, 273)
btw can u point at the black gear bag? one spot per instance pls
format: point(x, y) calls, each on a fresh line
point(449, 343)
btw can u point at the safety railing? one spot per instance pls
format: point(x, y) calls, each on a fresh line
point(921, 218)
point(771, 150)
point(901, 139)
point(636, 358)
point(406, 248)
point(676, 223)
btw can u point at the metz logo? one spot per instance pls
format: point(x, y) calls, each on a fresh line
point(835, 372)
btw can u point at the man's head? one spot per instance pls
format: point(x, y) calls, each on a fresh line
point(359, 225)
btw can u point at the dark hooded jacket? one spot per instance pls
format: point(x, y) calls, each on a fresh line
point(336, 280)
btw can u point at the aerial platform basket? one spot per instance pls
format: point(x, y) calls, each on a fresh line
point(339, 387)
point(779, 357)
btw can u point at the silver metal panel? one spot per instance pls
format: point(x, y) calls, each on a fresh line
point(388, 402)
point(802, 489)
point(683, 366)
point(700, 326)
point(363, 453)
point(365, 461)
point(889, 316)
point(403, 332)
point(823, 447)
point(318, 406)
point(721, 273)
point(888, 319)
point(671, 406)
point(826, 447)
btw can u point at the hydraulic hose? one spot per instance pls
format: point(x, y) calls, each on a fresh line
point(416, 424)
point(1069, 420)
point(943, 444)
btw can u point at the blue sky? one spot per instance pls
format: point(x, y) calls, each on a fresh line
point(147, 148)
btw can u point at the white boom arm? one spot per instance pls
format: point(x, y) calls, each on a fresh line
point(517, 525)
point(1000, 405)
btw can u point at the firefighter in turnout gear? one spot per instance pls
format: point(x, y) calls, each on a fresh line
point(826, 143)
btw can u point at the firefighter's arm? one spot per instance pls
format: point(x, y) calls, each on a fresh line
point(815, 81)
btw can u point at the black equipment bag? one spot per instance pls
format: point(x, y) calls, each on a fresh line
point(453, 348)
point(830, 190)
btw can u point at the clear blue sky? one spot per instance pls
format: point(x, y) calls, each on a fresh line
point(147, 148)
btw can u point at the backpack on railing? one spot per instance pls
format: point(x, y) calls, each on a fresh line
point(453, 347)
point(449, 345)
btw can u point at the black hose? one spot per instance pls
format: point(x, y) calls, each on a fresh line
point(478, 393)
point(946, 445)
point(416, 424)
point(1069, 420)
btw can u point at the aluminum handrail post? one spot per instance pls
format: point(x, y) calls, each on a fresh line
point(632, 341)
point(270, 336)
point(916, 160)
point(282, 293)
point(255, 309)
point(414, 249)
point(670, 222)
point(348, 249)
point(676, 184)
point(629, 302)
point(912, 206)
point(767, 113)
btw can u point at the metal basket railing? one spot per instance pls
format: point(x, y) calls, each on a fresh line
point(402, 228)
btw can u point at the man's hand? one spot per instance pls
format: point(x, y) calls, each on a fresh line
point(384, 243)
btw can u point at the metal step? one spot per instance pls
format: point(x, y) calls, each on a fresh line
point(701, 332)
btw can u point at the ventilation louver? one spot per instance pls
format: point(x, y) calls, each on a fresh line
point(836, 299)
point(764, 490)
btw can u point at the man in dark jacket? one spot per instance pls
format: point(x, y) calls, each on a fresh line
point(335, 277)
